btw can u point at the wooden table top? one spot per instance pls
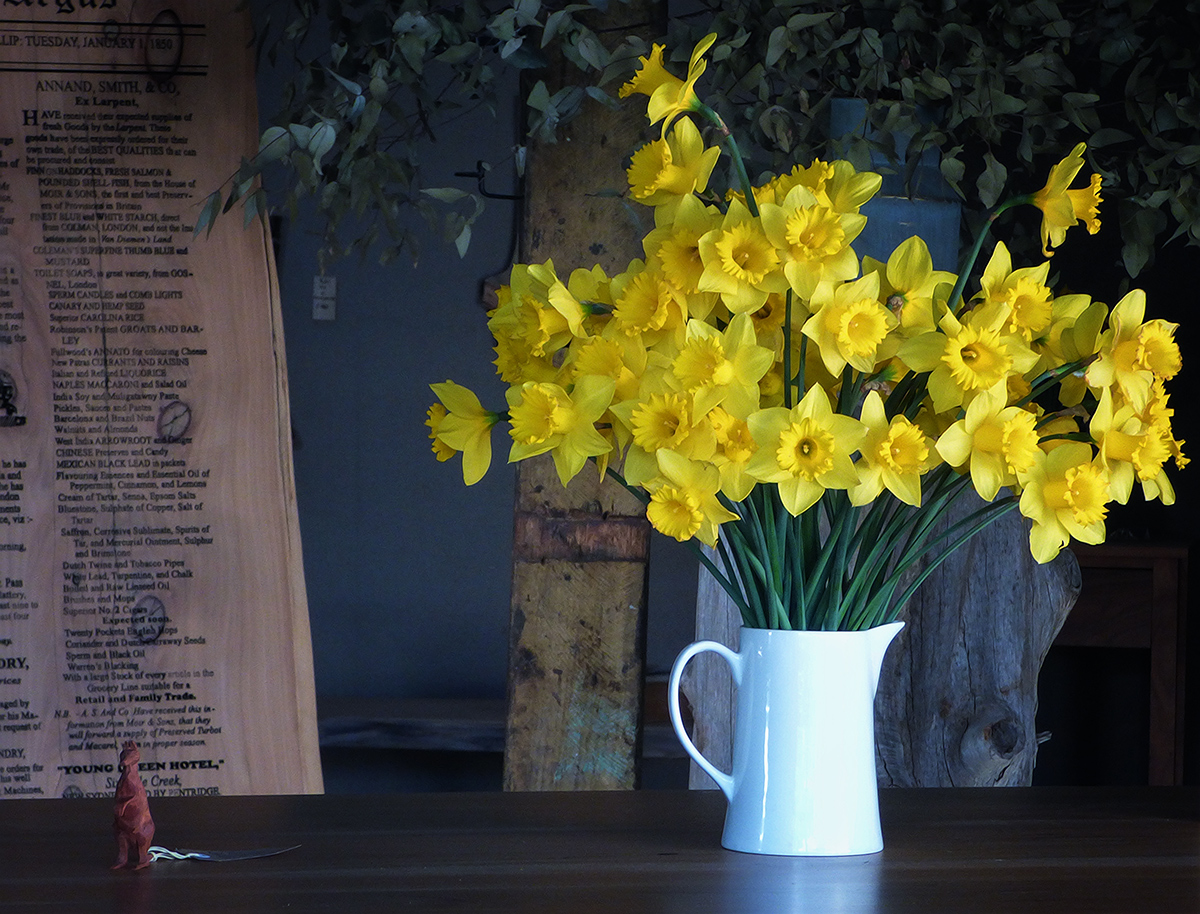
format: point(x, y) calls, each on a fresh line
point(1000, 850)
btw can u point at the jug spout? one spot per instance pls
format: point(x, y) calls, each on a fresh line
point(881, 637)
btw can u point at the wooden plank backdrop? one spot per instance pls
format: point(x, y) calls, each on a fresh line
point(149, 546)
point(576, 651)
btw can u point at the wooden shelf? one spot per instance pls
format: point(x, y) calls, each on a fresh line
point(450, 724)
point(1135, 596)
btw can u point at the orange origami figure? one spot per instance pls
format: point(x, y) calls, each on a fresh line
point(133, 826)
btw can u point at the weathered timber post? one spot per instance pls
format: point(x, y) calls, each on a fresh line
point(576, 640)
point(958, 691)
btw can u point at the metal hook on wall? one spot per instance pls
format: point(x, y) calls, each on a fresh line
point(479, 174)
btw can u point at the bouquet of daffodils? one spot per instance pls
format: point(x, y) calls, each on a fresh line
point(809, 416)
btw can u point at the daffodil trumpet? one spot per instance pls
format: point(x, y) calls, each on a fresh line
point(813, 424)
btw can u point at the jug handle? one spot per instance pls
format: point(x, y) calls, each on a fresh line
point(724, 781)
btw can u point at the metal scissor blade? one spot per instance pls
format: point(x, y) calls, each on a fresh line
point(185, 853)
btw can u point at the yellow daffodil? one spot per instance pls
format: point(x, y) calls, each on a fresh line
point(769, 319)
point(722, 368)
point(584, 302)
point(894, 455)
point(673, 249)
point(1056, 428)
point(613, 355)
point(667, 170)
point(668, 101)
point(814, 177)
point(660, 417)
point(1132, 353)
point(1160, 352)
point(1000, 442)
point(1129, 449)
point(669, 95)
point(908, 285)
point(740, 262)
point(433, 419)
point(651, 75)
point(1086, 201)
point(813, 239)
point(1157, 415)
point(1066, 496)
point(527, 326)
point(1056, 345)
point(683, 499)
point(851, 326)
point(516, 362)
point(837, 185)
point(461, 424)
point(735, 447)
point(805, 450)
point(967, 357)
point(848, 189)
point(770, 387)
point(545, 418)
point(1024, 291)
point(1062, 208)
point(645, 304)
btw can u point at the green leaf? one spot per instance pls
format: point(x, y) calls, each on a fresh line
point(802, 21)
point(603, 97)
point(321, 141)
point(777, 44)
point(445, 194)
point(990, 183)
point(554, 22)
point(208, 214)
point(510, 46)
point(352, 87)
point(275, 143)
point(1107, 136)
point(939, 86)
point(539, 96)
point(463, 240)
point(1188, 155)
point(953, 170)
point(591, 50)
point(527, 11)
point(457, 54)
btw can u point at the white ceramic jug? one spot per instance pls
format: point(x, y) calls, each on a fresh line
point(803, 779)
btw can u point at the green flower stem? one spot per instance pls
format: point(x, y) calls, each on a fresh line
point(969, 263)
point(766, 534)
point(833, 616)
point(971, 525)
point(787, 350)
point(801, 387)
point(872, 568)
point(729, 579)
point(736, 573)
point(848, 394)
point(796, 529)
point(919, 544)
point(906, 397)
point(727, 584)
point(1049, 378)
point(738, 550)
point(735, 153)
point(822, 572)
point(923, 521)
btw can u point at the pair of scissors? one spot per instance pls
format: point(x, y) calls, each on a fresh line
point(162, 853)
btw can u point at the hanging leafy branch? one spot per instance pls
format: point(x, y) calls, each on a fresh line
point(998, 89)
point(374, 80)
